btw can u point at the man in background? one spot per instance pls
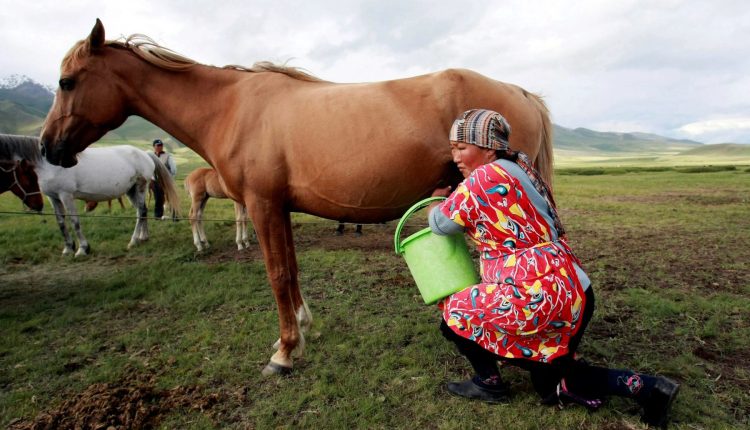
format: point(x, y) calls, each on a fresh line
point(168, 161)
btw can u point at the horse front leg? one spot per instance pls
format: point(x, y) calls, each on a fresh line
point(302, 311)
point(60, 218)
point(70, 207)
point(272, 225)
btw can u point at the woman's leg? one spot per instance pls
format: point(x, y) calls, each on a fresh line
point(545, 377)
point(487, 384)
point(583, 383)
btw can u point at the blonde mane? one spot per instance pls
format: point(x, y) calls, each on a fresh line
point(153, 53)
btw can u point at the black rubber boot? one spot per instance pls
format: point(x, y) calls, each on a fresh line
point(657, 403)
point(471, 389)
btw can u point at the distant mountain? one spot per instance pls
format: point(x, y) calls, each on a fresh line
point(590, 141)
point(23, 105)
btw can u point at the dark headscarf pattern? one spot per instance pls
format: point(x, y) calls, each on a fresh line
point(488, 129)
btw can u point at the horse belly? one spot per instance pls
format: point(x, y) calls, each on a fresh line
point(366, 189)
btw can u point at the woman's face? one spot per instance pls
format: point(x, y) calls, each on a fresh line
point(468, 157)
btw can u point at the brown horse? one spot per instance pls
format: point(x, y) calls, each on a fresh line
point(91, 204)
point(19, 177)
point(203, 183)
point(284, 141)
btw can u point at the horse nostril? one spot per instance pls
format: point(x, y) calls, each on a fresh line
point(43, 149)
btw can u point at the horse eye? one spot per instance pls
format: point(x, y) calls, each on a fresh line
point(67, 84)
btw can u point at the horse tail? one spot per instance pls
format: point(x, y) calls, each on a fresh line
point(165, 181)
point(544, 162)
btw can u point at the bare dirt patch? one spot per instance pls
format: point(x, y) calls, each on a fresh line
point(131, 403)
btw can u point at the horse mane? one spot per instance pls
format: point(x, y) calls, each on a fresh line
point(267, 66)
point(153, 53)
point(13, 147)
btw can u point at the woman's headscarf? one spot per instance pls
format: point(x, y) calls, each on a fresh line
point(488, 129)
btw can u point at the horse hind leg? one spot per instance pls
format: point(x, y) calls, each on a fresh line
point(240, 219)
point(137, 196)
point(199, 233)
point(195, 217)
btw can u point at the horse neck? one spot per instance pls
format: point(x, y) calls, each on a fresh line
point(184, 103)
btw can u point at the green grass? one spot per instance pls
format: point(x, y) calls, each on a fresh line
point(666, 250)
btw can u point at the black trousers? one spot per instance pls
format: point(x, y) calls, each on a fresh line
point(158, 199)
point(544, 376)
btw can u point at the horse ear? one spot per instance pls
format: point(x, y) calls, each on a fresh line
point(96, 38)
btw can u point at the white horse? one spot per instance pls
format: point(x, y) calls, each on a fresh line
point(101, 174)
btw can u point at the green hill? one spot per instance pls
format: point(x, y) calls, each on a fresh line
point(589, 142)
point(720, 149)
point(14, 119)
point(137, 129)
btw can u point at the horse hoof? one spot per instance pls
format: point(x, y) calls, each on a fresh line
point(275, 369)
point(81, 253)
point(67, 251)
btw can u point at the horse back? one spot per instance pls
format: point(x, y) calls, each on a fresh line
point(205, 181)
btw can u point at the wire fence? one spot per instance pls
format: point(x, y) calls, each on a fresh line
point(130, 217)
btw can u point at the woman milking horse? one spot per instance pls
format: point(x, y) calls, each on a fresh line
point(284, 141)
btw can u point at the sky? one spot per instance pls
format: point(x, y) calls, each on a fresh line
point(677, 68)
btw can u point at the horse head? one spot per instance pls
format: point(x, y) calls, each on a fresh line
point(88, 102)
point(21, 180)
point(29, 183)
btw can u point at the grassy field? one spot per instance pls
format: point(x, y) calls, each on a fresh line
point(160, 336)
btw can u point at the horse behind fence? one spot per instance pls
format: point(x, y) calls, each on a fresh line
point(201, 184)
point(101, 174)
point(19, 177)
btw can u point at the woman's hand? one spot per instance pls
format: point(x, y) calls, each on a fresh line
point(439, 192)
point(442, 192)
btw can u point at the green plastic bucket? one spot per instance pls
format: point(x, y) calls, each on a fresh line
point(440, 265)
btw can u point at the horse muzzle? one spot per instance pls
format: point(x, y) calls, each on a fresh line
point(56, 154)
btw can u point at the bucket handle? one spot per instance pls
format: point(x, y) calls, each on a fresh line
point(417, 206)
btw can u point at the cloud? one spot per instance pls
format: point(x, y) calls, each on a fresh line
point(717, 130)
point(655, 66)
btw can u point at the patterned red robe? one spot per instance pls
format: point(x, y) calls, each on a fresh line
point(530, 300)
